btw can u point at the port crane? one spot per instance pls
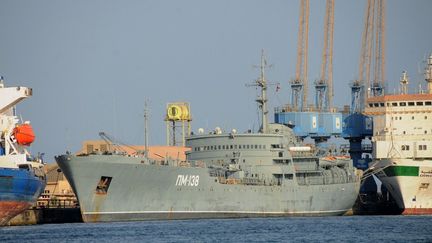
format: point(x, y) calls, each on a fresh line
point(318, 122)
point(324, 85)
point(370, 81)
point(299, 85)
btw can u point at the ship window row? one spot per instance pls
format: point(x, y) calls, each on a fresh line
point(405, 147)
point(232, 146)
point(412, 118)
point(422, 147)
point(410, 103)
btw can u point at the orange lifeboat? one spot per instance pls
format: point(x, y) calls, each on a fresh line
point(24, 134)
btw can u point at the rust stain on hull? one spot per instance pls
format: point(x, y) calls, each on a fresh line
point(9, 209)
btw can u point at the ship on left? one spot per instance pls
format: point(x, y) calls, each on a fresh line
point(22, 178)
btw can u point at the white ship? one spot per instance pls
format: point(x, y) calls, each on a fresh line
point(402, 144)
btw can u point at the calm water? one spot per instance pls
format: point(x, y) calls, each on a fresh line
point(347, 229)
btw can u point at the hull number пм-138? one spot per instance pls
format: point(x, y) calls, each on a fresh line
point(187, 180)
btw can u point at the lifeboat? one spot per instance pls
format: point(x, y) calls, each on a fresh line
point(24, 134)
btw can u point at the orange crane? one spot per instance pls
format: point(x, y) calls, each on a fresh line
point(378, 81)
point(372, 52)
point(324, 86)
point(299, 85)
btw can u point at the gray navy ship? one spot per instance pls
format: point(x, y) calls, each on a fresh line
point(225, 175)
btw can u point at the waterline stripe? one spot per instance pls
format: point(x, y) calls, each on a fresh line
point(402, 171)
point(243, 212)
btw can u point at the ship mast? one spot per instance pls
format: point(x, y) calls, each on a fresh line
point(404, 83)
point(428, 74)
point(145, 130)
point(262, 100)
point(262, 82)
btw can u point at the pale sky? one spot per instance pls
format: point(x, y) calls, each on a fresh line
point(92, 63)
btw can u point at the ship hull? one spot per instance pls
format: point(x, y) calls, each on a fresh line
point(140, 191)
point(410, 183)
point(19, 189)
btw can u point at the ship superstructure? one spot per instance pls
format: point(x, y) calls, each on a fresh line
point(402, 145)
point(225, 175)
point(21, 177)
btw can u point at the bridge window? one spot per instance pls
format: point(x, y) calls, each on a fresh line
point(402, 103)
point(382, 104)
point(394, 104)
point(428, 103)
point(419, 103)
point(410, 103)
point(275, 146)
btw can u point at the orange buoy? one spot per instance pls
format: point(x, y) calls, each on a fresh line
point(24, 134)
